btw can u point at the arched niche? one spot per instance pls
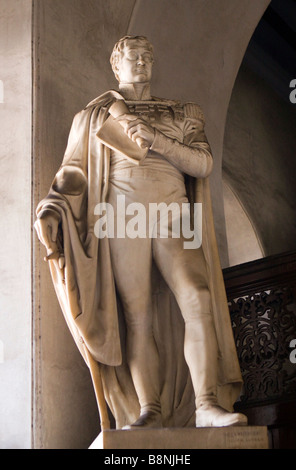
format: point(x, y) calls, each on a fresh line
point(259, 141)
point(199, 48)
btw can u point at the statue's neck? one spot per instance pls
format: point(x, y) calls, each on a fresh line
point(135, 91)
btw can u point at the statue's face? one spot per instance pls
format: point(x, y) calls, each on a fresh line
point(135, 65)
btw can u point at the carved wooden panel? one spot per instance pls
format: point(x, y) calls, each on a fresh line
point(263, 326)
point(262, 304)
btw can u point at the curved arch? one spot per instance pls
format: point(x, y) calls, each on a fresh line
point(242, 239)
point(259, 140)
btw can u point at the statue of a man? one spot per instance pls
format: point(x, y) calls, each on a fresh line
point(151, 311)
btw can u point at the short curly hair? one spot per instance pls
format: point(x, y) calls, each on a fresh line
point(119, 47)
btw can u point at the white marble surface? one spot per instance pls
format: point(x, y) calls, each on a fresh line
point(15, 234)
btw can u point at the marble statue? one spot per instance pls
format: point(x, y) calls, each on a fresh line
point(149, 309)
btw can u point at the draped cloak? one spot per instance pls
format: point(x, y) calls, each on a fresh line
point(87, 293)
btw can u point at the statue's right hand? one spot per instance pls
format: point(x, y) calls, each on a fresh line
point(47, 230)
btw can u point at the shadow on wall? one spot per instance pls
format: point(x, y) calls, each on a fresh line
point(259, 159)
point(242, 240)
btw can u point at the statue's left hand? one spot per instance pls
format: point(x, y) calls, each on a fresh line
point(47, 230)
point(136, 128)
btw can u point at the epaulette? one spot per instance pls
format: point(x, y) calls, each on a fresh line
point(193, 111)
point(178, 111)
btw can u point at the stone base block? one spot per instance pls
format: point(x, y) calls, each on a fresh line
point(233, 437)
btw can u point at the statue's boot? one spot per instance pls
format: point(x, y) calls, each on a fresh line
point(216, 416)
point(147, 419)
point(143, 362)
point(201, 353)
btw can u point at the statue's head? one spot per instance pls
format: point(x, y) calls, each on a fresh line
point(132, 59)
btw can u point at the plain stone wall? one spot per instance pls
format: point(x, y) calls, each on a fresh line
point(15, 234)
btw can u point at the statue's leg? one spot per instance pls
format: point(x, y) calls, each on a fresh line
point(131, 260)
point(131, 263)
point(185, 273)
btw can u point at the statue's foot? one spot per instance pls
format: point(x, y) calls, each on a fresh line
point(215, 416)
point(149, 419)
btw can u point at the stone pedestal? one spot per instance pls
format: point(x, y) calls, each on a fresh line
point(234, 437)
